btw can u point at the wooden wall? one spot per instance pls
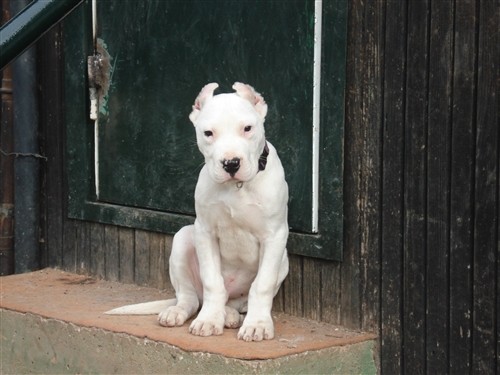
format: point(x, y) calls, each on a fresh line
point(422, 171)
point(421, 257)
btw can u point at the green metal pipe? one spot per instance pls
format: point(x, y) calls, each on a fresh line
point(30, 24)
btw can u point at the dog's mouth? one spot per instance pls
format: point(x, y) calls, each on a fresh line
point(238, 177)
point(229, 173)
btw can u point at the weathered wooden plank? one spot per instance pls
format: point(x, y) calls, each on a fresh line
point(157, 270)
point(484, 356)
point(126, 243)
point(415, 188)
point(392, 189)
point(141, 271)
point(370, 183)
point(353, 162)
point(330, 292)
point(50, 123)
point(498, 271)
point(112, 252)
point(462, 173)
point(70, 245)
point(438, 185)
point(97, 253)
point(293, 287)
point(83, 254)
point(311, 272)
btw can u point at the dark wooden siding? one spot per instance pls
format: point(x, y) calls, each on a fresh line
point(421, 254)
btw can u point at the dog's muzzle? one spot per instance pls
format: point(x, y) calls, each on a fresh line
point(231, 166)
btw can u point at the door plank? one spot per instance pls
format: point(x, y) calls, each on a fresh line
point(97, 253)
point(112, 252)
point(293, 287)
point(486, 193)
point(415, 187)
point(126, 243)
point(312, 290)
point(392, 185)
point(438, 185)
point(462, 174)
point(142, 259)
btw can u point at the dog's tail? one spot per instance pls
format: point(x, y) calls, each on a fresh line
point(147, 308)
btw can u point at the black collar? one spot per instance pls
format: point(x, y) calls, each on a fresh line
point(263, 158)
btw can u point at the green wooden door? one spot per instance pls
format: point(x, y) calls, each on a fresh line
point(141, 160)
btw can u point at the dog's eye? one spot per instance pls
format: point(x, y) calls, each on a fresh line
point(248, 128)
point(208, 133)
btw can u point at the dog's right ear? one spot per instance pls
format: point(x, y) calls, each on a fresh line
point(206, 93)
point(248, 92)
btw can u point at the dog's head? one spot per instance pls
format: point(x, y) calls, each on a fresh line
point(230, 131)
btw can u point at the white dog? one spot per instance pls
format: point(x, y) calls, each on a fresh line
point(233, 259)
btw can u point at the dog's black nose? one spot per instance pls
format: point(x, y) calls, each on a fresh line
point(231, 166)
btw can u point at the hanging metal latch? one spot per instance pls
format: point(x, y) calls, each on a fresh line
point(99, 67)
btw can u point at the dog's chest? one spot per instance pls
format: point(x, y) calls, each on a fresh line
point(236, 208)
point(236, 220)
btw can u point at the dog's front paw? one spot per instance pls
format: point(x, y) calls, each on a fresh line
point(208, 324)
point(257, 329)
point(173, 316)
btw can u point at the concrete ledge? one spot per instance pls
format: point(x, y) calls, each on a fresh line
point(52, 322)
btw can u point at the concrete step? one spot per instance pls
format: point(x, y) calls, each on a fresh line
point(53, 322)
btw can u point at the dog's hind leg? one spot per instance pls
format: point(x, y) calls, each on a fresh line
point(234, 308)
point(184, 275)
point(233, 318)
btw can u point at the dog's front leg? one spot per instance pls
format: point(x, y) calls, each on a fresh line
point(210, 320)
point(273, 268)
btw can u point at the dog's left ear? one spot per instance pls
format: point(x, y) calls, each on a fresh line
point(206, 93)
point(247, 92)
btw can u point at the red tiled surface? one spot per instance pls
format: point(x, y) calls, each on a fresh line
point(82, 300)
